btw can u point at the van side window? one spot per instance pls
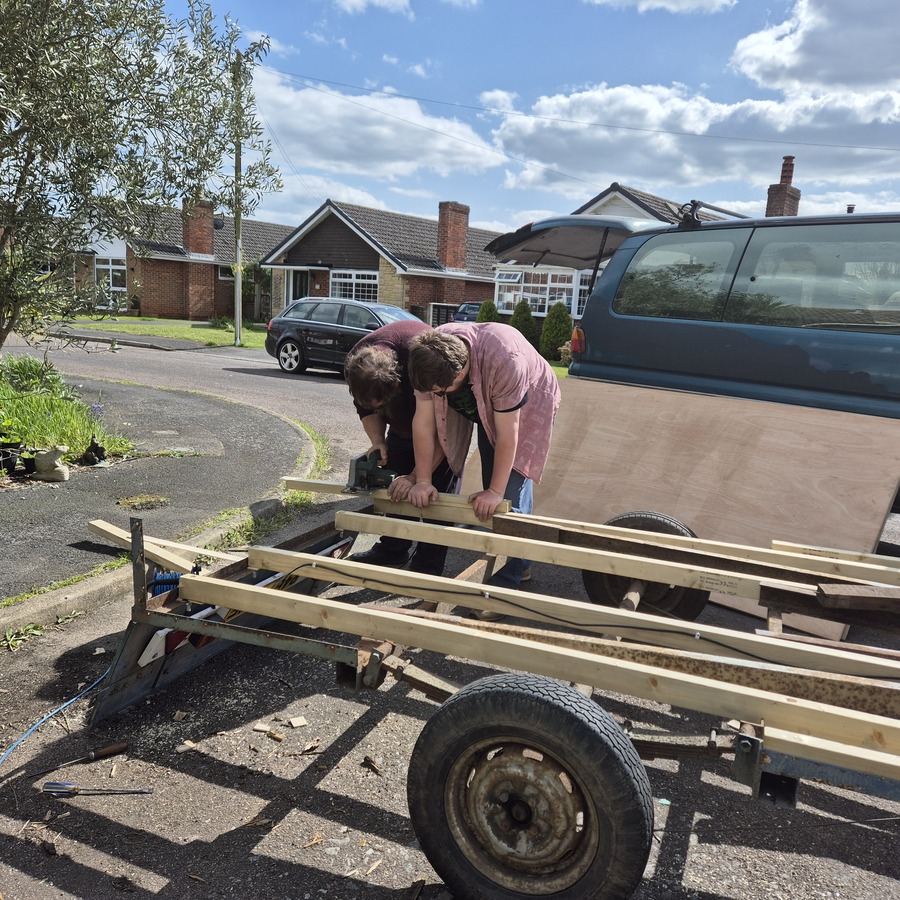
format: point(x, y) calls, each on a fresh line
point(681, 276)
point(843, 277)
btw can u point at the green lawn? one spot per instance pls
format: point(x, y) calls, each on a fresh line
point(253, 335)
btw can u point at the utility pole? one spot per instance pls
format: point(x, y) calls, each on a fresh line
point(238, 262)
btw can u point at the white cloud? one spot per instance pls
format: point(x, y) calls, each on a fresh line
point(651, 150)
point(825, 45)
point(390, 60)
point(383, 137)
point(360, 6)
point(497, 99)
point(673, 6)
point(417, 193)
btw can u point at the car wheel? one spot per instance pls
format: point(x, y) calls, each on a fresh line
point(291, 357)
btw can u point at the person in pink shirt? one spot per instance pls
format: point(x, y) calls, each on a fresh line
point(485, 376)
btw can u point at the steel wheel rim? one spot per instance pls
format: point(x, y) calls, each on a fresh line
point(521, 816)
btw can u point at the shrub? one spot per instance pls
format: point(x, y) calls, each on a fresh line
point(27, 375)
point(488, 312)
point(565, 354)
point(556, 331)
point(522, 320)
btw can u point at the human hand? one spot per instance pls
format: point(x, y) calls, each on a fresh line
point(422, 494)
point(484, 503)
point(379, 447)
point(399, 488)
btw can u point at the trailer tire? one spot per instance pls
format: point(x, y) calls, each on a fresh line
point(608, 590)
point(291, 357)
point(520, 787)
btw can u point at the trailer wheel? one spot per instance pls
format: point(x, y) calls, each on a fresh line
point(608, 590)
point(520, 787)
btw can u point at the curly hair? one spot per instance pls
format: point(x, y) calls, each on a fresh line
point(373, 376)
point(436, 358)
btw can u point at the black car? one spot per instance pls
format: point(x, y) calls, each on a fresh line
point(466, 312)
point(321, 331)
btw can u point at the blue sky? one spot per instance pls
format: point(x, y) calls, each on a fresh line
point(522, 109)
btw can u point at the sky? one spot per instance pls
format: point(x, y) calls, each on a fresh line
point(523, 110)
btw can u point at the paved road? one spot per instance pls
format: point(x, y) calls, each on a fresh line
point(241, 815)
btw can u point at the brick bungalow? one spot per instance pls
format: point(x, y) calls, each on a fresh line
point(342, 250)
point(184, 271)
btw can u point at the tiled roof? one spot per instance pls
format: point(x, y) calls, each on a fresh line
point(412, 240)
point(257, 238)
point(657, 207)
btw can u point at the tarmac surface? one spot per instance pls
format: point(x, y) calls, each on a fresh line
point(320, 811)
point(196, 457)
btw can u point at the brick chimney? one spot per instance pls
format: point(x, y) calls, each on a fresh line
point(453, 229)
point(784, 199)
point(197, 228)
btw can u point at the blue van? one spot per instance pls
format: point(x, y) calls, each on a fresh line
point(795, 310)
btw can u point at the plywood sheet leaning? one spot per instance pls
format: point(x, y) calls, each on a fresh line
point(743, 471)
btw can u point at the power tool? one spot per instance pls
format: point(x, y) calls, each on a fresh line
point(366, 475)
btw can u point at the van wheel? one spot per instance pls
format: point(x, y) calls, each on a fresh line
point(519, 787)
point(609, 590)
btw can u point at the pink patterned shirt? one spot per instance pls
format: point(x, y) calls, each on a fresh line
point(503, 369)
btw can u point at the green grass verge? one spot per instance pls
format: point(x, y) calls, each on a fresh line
point(215, 334)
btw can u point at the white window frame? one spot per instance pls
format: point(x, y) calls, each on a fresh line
point(354, 284)
point(542, 286)
point(104, 268)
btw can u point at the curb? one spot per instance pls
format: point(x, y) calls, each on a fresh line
point(95, 591)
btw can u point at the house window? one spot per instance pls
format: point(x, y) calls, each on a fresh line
point(541, 288)
point(353, 285)
point(226, 273)
point(110, 276)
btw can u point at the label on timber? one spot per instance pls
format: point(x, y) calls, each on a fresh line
point(723, 583)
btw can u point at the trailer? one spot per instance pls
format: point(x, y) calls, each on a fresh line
point(520, 784)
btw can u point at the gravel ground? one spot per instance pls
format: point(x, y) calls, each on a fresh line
point(322, 812)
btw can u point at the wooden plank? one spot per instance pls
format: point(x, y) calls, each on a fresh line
point(162, 557)
point(879, 697)
point(876, 738)
point(859, 596)
point(874, 559)
point(162, 542)
point(318, 487)
point(686, 575)
point(447, 508)
point(639, 626)
point(742, 471)
point(866, 567)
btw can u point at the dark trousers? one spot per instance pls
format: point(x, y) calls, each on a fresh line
point(401, 458)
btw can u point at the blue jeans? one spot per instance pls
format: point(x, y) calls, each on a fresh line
point(519, 492)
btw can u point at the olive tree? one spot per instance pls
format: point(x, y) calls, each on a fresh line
point(110, 110)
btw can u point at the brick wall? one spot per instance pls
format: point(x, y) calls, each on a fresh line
point(453, 230)
point(162, 287)
point(784, 199)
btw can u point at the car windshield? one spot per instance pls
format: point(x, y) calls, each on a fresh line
point(394, 314)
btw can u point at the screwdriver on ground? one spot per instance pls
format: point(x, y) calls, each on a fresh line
point(102, 753)
point(67, 789)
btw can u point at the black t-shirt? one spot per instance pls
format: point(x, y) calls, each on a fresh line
point(397, 337)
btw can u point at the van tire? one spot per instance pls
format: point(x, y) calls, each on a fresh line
point(608, 590)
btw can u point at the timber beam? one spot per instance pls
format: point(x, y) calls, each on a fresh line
point(647, 629)
point(815, 731)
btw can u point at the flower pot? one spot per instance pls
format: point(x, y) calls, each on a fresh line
point(9, 457)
